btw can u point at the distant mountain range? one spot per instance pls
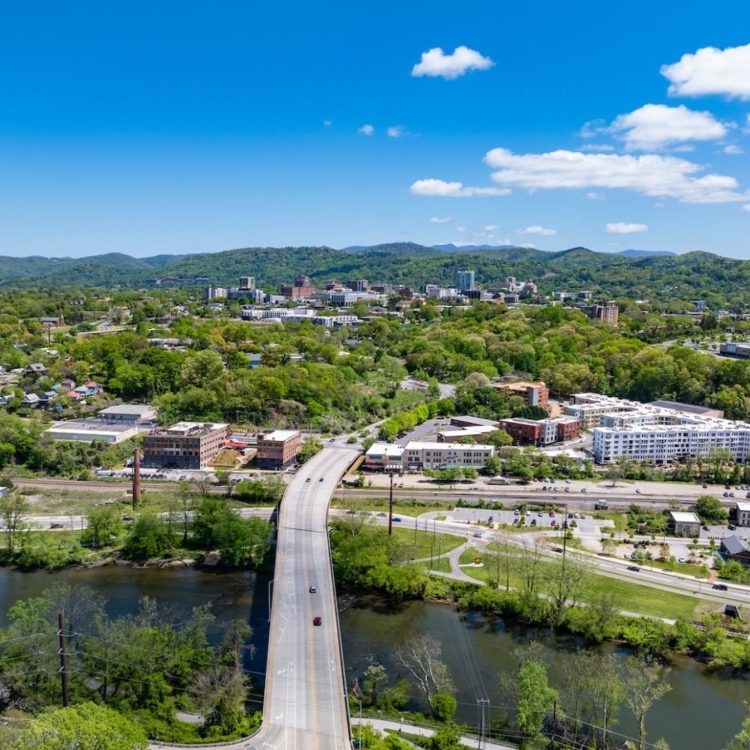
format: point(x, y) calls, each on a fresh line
point(451, 248)
point(633, 274)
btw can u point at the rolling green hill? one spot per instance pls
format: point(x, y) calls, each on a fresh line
point(723, 282)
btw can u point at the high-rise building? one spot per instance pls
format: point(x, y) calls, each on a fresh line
point(465, 281)
point(247, 282)
point(609, 313)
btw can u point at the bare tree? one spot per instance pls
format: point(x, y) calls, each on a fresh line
point(420, 655)
point(186, 503)
point(645, 683)
point(530, 559)
point(501, 563)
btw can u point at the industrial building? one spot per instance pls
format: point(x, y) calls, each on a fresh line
point(90, 430)
point(128, 413)
point(185, 445)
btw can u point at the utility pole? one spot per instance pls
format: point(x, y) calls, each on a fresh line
point(565, 532)
point(390, 504)
point(63, 659)
point(482, 702)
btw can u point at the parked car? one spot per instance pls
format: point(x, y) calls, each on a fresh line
point(731, 527)
point(533, 521)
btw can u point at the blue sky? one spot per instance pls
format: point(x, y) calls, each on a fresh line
point(172, 127)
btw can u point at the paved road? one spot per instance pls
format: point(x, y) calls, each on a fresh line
point(305, 705)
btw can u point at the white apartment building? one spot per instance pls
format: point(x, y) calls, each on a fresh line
point(644, 432)
point(423, 455)
point(743, 514)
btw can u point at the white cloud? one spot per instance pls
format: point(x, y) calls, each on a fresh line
point(746, 207)
point(657, 125)
point(536, 229)
point(734, 150)
point(649, 174)
point(441, 219)
point(597, 147)
point(461, 230)
point(444, 189)
point(621, 227)
point(491, 227)
point(436, 63)
point(327, 122)
point(711, 71)
point(366, 129)
point(529, 245)
point(596, 196)
point(396, 131)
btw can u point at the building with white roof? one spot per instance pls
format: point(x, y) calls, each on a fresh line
point(133, 413)
point(684, 524)
point(277, 450)
point(424, 455)
point(743, 514)
point(384, 456)
point(90, 430)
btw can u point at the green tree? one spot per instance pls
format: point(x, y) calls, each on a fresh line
point(376, 679)
point(201, 368)
point(102, 523)
point(309, 448)
point(148, 538)
point(13, 508)
point(493, 466)
point(710, 510)
point(498, 438)
point(741, 740)
point(535, 698)
point(84, 727)
point(645, 683)
point(444, 706)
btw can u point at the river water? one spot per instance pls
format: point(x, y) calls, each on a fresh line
point(703, 710)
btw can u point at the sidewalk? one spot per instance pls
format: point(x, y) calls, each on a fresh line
point(382, 725)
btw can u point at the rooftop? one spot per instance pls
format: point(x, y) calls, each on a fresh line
point(416, 445)
point(183, 429)
point(90, 425)
point(134, 409)
point(279, 435)
point(385, 449)
point(735, 545)
point(680, 517)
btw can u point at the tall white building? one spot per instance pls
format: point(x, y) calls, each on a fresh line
point(465, 281)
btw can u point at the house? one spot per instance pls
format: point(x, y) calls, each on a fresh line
point(53, 320)
point(736, 549)
point(68, 383)
point(88, 389)
point(4, 400)
point(47, 397)
point(683, 524)
point(36, 368)
point(30, 401)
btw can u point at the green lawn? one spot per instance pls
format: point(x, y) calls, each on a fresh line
point(411, 508)
point(631, 597)
point(427, 544)
point(442, 564)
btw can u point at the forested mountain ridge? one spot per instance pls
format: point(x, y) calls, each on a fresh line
point(723, 282)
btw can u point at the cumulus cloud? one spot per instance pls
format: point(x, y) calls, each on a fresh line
point(734, 150)
point(436, 63)
point(597, 147)
point(461, 230)
point(444, 189)
point(441, 219)
point(491, 227)
point(366, 129)
point(657, 125)
point(746, 207)
point(649, 174)
point(620, 227)
point(711, 71)
point(536, 229)
point(596, 196)
point(327, 123)
point(395, 132)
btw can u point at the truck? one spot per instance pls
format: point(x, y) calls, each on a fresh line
point(601, 505)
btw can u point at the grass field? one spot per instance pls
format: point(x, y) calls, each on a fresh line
point(631, 597)
point(426, 544)
point(411, 508)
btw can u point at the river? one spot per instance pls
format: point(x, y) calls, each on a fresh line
point(703, 710)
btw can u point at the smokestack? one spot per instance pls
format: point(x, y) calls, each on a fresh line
point(136, 477)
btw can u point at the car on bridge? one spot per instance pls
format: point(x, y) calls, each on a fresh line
point(317, 620)
point(313, 590)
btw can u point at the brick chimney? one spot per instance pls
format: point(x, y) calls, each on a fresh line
point(136, 477)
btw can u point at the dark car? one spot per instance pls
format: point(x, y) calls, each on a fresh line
point(332, 440)
point(321, 479)
point(308, 479)
point(396, 519)
point(731, 527)
point(634, 568)
point(313, 590)
point(720, 587)
point(317, 620)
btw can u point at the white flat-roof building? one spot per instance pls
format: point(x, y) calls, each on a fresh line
point(384, 456)
point(128, 413)
point(89, 430)
point(743, 514)
point(684, 524)
point(423, 455)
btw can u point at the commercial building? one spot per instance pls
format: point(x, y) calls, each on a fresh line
point(278, 450)
point(128, 413)
point(735, 350)
point(384, 457)
point(704, 411)
point(424, 455)
point(743, 514)
point(534, 394)
point(467, 421)
point(541, 432)
point(456, 434)
point(91, 430)
point(588, 408)
point(465, 281)
point(683, 524)
point(185, 445)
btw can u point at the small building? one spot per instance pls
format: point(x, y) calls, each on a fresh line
point(743, 514)
point(459, 434)
point(534, 394)
point(128, 413)
point(384, 457)
point(467, 421)
point(52, 320)
point(542, 431)
point(30, 401)
point(683, 524)
point(278, 450)
point(736, 549)
point(185, 445)
point(35, 368)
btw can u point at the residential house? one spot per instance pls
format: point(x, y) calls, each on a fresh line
point(30, 401)
point(36, 368)
point(68, 383)
point(736, 549)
